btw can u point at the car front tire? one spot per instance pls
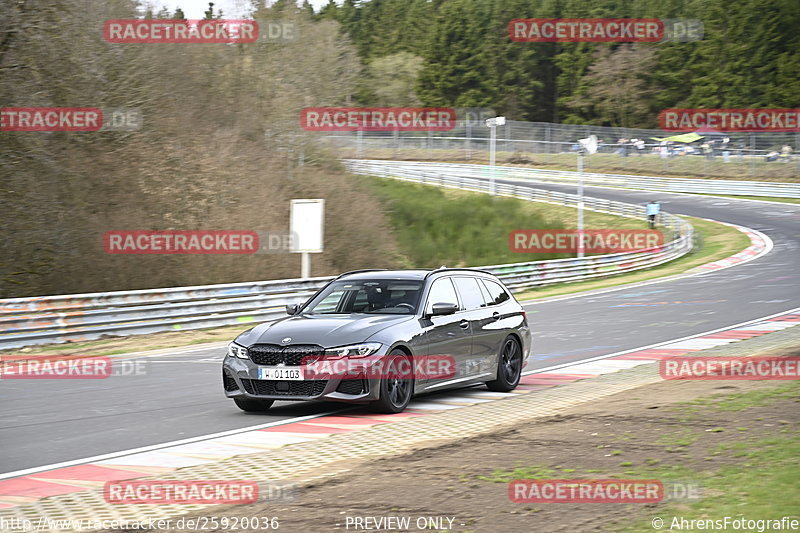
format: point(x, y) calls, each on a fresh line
point(509, 367)
point(397, 385)
point(253, 406)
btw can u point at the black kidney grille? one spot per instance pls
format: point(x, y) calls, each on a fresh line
point(291, 355)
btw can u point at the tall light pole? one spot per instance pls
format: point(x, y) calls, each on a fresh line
point(586, 146)
point(580, 201)
point(492, 123)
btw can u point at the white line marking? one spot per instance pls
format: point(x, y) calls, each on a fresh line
point(154, 447)
point(659, 344)
point(699, 344)
point(454, 381)
point(768, 246)
point(431, 406)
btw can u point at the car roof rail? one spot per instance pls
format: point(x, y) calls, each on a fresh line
point(360, 271)
point(446, 269)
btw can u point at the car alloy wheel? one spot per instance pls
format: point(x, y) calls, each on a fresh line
point(397, 385)
point(509, 367)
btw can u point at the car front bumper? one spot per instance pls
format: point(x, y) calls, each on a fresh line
point(241, 380)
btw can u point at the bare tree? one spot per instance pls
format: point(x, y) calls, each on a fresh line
point(616, 86)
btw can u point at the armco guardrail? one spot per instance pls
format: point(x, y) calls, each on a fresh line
point(77, 317)
point(649, 183)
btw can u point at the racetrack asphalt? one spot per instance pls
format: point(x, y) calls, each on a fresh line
point(179, 395)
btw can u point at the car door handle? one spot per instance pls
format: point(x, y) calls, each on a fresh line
point(495, 316)
point(464, 324)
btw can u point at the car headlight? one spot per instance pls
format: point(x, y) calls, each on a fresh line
point(234, 350)
point(354, 350)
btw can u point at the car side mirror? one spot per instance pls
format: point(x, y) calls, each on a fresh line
point(442, 308)
point(291, 309)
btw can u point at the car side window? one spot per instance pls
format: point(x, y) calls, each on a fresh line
point(470, 292)
point(487, 300)
point(442, 291)
point(331, 302)
point(497, 293)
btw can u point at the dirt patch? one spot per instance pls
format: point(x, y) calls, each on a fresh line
point(679, 426)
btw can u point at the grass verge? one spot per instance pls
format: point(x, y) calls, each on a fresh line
point(716, 241)
point(744, 467)
point(435, 226)
point(761, 477)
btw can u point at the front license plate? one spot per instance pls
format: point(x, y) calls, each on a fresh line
point(280, 373)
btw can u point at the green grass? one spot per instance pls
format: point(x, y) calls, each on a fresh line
point(523, 472)
point(681, 439)
point(757, 478)
point(762, 483)
point(766, 486)
point(742, 401)
point(435, 226)
point(716, 241)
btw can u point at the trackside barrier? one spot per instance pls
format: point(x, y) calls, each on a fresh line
point(627, 181)
point(80, 317)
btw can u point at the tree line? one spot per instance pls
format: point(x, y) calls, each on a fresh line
point(458, 53)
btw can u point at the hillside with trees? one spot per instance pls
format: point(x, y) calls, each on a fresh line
point(749, 57)
point(220, 148)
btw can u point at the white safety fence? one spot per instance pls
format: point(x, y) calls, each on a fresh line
point(744, 155)
point(627, 181)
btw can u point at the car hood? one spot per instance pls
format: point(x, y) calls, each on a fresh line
point(324, 330)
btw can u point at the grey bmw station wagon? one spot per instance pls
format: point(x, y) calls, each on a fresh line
point(380, 337)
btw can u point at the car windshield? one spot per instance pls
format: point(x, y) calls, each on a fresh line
point(382, 296)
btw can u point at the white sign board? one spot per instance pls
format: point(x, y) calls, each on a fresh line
point(496, 121)
point(306, 225)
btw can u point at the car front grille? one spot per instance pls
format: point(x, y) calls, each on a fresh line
point(291, 355)
point(264, 387)
point(352, 386)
